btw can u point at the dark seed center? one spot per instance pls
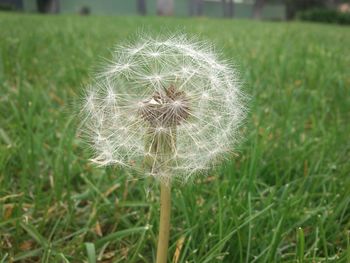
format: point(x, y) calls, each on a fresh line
point(166, 108)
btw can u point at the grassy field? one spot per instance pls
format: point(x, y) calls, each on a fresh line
point(284, 198)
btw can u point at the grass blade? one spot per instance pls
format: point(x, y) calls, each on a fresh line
point(33, 232)
point(91, 252)
point(300, 245)
point(120, 234)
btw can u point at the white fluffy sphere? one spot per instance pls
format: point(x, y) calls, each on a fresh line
point(167, 107)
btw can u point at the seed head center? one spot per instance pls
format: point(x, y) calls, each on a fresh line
point(166, 108)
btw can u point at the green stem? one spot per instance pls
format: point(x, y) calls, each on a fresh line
point(162, 147)
point(164, 223)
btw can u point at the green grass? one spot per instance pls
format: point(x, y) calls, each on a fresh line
point(284, 198)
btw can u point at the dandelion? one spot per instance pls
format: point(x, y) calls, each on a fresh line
point(168, 108)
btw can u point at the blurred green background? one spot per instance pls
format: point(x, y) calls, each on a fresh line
point(283, 196)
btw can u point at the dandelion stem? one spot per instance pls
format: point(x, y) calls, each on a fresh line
point(164, 223)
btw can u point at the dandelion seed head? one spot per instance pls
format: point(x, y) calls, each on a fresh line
point(167, 107)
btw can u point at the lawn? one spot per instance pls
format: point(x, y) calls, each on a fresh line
point(284, 196)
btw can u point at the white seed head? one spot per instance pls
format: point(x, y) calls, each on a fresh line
point(173, 93)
